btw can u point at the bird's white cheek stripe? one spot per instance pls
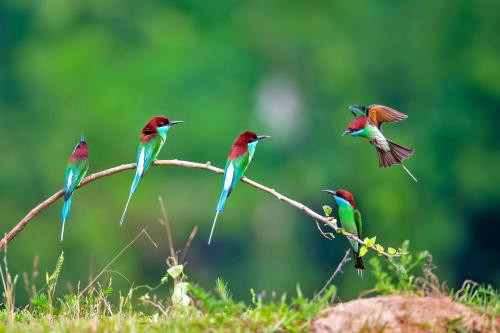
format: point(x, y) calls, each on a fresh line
point(140, 162)
point(229, 177)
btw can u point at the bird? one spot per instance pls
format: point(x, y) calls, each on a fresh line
point(240, 156)
point(367, 124)
point(350, 219)
point(153, 136)
point(77, 167)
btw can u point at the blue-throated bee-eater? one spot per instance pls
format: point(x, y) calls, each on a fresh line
point(367, 124)
point(240, 156)
point(153, 136)
point(350, 219)
point(78, 166)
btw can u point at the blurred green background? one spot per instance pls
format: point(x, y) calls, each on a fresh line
point(285, 68)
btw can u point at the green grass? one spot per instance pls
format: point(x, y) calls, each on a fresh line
point(190, 308)
point(206, 311)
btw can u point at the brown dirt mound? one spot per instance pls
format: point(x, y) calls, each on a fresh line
point(402, 314)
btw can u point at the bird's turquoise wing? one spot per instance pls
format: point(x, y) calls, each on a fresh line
point(68, 178)
point(152, 149)
point(348, 222)
point(233, 171)
point(74, 175)
point(240, 165)
point(359, 222)
point(146, 154)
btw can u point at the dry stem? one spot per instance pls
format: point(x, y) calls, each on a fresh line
point(337, 270)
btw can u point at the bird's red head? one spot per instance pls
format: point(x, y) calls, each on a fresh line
point(81, 152)
point(246, 138)
point(346, 195)
point(151, 128)
point(357, 124)
point(240, 145)
point(153, 124)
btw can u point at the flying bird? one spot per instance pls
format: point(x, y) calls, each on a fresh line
point(153, 136)
point(350, 219)
point(367, 124)
point(78, 166)
point(240, 156)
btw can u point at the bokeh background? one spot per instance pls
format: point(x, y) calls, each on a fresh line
point(285, 68)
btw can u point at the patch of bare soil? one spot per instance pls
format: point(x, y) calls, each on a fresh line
point(406, 314)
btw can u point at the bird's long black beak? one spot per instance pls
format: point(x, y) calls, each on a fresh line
point(175, 122)
point(82, 138)
point(330, 191)
point(345, 133)
point(262, 137)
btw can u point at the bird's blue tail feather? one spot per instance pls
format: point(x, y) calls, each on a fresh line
point(135, 183)
point(222, 201)
point(65, 211)
point(220, 208)
point(132, 190)
point(65, 214)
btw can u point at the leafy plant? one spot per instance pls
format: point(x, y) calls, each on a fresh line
point(398, 275)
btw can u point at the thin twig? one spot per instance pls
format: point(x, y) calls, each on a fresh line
point(156, 305)
point(168, 231)
point(150, 239)
point(321, 231)
point(119, 274)
point(112, 261)
point(188, 244)
point(206, 166)
point(337, 270)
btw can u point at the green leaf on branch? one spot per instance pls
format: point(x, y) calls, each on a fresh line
point(392, 250)
point(369, 242)
point(362, 251)
point(175, 271)
point(379, 248)
point(328, 210)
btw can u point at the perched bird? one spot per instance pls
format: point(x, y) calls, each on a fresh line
point(367, 124)
point(350, 219)
point(153, 136)
point(78, 166)
point(240, 156)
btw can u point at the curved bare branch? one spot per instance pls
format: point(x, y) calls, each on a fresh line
point(331, 222)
